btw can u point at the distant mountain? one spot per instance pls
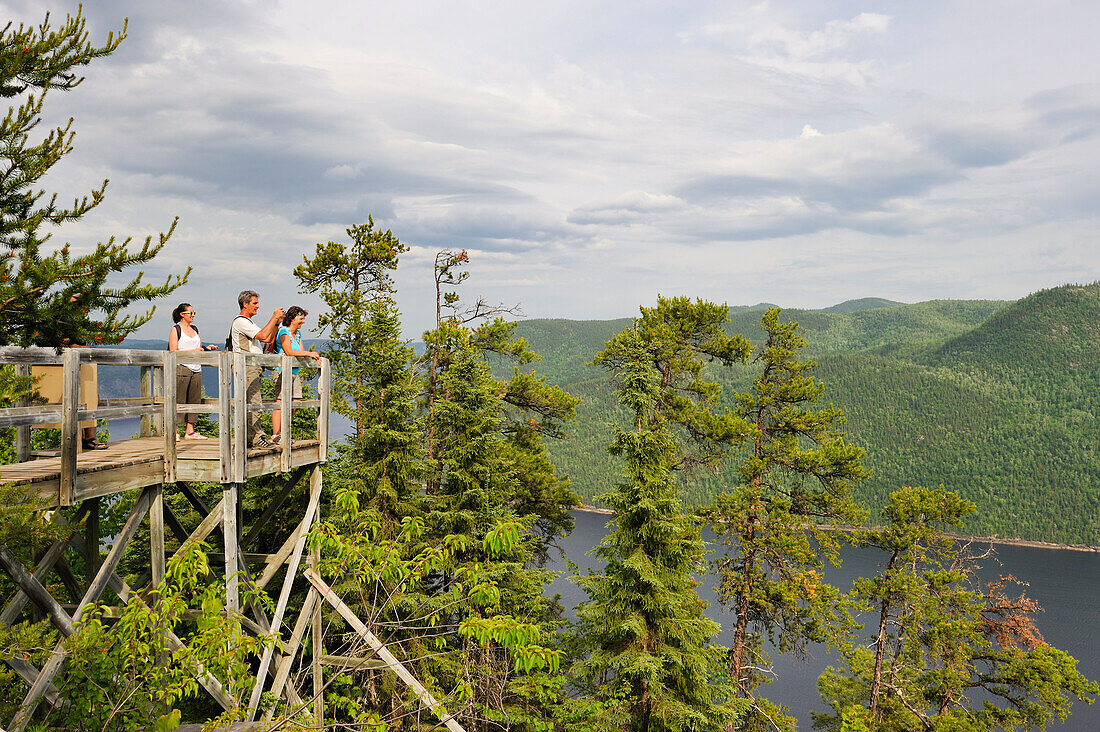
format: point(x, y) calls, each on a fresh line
point(863, 303)
point(999, 401)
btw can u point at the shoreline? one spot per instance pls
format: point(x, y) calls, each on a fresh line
point(996, 540)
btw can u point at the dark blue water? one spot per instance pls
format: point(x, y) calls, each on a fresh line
point(1065, 583)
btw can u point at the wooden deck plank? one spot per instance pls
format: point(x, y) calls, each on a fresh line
point(139, 462)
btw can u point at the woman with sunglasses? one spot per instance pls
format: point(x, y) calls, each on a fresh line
point(184, 336)
point(289, 341)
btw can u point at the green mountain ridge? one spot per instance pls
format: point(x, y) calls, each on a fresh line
point(996, 400)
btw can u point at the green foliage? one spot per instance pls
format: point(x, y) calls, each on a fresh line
point(51, 298)
point(125, 675)
point(445, 500)
point(949, 654)
point(1000, 401)
point(650, 653)
point(795, 483)
point(352, 281)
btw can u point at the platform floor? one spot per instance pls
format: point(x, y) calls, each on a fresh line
point(138, 462)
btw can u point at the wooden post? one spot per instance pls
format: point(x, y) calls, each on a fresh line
point(169, 415)
point(318, 651)
point(240, 418)
point(324, 386)
point(156, 535)
point(91, 537)
point(285, 400)
point(230, 499)
point(225, 424)
point(159, 427)
point(70, 426)
point(23, 434)
point(146, 391)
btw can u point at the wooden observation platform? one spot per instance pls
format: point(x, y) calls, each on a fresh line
point(150, 464)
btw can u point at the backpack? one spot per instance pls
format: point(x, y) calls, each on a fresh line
point(179, 333)
point(269, 346)
point(229, 338)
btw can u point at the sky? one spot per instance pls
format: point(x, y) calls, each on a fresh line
point(592, 155)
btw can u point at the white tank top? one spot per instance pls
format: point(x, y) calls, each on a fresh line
point(189, 343)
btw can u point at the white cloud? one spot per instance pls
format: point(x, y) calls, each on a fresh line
point(591, 156)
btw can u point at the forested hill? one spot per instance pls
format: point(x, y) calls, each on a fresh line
point(998, 401)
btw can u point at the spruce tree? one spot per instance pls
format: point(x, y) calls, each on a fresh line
point(796, 479)
point(55, 297)
point(649, 642)
point(949, 652)
point(349, 279)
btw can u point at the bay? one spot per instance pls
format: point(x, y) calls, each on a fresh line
point(1066, 584)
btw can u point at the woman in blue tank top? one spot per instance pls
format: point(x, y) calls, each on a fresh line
point(289, 341)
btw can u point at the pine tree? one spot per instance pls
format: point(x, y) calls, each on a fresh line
point(349, 279)
point(650, 643)
point(796, 479)
point(948, 652)
point(55, 298)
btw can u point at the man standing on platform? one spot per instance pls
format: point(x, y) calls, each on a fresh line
point(247, 337)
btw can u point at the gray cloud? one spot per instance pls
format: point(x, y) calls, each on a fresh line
point(586, 167)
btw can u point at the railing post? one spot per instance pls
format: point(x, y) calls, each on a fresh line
point(285, 401)
point(168, 414)
point(146, 391)
point(225, 413)
point(70, 425)
point(159, 428)
point(240, 417)
point(23, 434)
point(324, 386)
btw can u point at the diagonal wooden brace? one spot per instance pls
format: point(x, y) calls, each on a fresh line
point(284, 594)
point(380, 648)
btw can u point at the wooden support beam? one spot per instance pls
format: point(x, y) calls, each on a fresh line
point(168, 388)
point(70, 427)
point(68, 578)
point(288, 583)
point(272, 506)
point(45, 564)
point(318, 651)
point(193, 498)
point(65, 624)
point(156, 535)
point(353, 663)
point(230, 500)
point(29, 673)
point(173, 523)
point(33, 589)
point(277, 560)
point(92, 536)
point(324, 386)
point(384, 653)
point(282, 667)
point(23, 434)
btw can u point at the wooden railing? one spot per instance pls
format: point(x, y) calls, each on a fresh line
point(157, 407)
